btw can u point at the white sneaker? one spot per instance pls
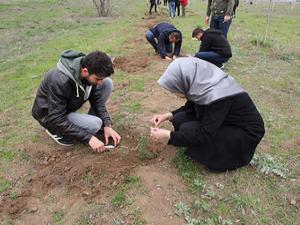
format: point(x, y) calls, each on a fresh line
point(61, 140)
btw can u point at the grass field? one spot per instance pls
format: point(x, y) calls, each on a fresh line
point(35, 32)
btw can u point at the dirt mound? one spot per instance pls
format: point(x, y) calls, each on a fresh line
point(78, 170)
point(132, 64)
point(83, 174)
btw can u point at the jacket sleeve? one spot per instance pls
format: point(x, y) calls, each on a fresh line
point(59, 92)
point(230, 5)
point(205, 44)
point(161, 45)
point(188, 105)
point(177, 47)
point(205, 129)
point(98, 102)
point(208, 11)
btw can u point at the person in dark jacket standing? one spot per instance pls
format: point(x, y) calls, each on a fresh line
point(221, 12)
point(76, 79)
point(152, 4)
point(177, 7)
point(166, 35)
point(214, 47)
point(219, 124)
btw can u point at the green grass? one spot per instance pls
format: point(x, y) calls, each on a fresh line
point(143, 152)
point(7, 156)
point(120, 199)
point(35, 32)
point(57, 216)
point(4, 184)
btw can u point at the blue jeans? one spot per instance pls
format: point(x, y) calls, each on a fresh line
point(217, 22)
point(212, 57)
point(151, 39)
point(90, 122)
point(168, 47)
point(172, 10)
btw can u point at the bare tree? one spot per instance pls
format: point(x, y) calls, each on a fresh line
point(103, 7)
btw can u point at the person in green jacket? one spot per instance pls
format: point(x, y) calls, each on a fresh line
point(221, 12)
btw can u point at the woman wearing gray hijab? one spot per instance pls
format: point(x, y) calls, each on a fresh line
point(219, 124)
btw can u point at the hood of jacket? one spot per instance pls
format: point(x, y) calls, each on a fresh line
point(69, 64)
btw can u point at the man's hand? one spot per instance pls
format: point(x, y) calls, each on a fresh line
point(96, 144)
point(109, 132)
point(160, 135)
point(206, 20)
point(168, 58)
point(174, 56)
point(158, 119)
point(226, 18)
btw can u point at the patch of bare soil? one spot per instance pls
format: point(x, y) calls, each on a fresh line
point(132, 63)
point(83, 174)
point(292, 144)
point(164, 190)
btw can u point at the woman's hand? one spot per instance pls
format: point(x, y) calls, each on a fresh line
point(158, 119)
point(160, 135)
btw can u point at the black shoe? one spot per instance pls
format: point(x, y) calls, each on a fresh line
point(61, 140)
point(221, 66)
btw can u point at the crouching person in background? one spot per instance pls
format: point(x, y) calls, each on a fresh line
point(166, 35)
point(214, 47)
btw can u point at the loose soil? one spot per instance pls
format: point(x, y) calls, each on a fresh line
point(132, 64)
point(54, 179)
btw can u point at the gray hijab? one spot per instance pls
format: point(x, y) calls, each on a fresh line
point(200, 81)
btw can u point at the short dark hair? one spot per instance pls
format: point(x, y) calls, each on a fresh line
point(98, 63)
point(196, 31)
point(175, 35)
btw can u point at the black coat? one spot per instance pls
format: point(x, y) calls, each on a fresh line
point(162, 31)
point(57, 97)
point(222, 135)
point(214, 40)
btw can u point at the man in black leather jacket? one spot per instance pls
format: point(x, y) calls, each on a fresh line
point(76, 79)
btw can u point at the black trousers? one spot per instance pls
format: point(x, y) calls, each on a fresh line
point(177, 8)
point(231, 148)
point(151, 7)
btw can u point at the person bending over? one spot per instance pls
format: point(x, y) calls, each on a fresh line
point(166, 35)
point(77, 78)
point(219, 124)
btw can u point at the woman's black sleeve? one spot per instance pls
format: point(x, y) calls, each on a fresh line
point(203, 130)
point(188, 105)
